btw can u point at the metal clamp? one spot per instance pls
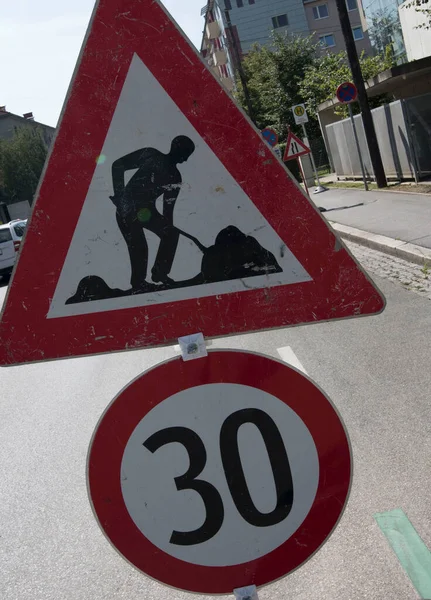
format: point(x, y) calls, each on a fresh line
point(246, 593)
point(192, 346)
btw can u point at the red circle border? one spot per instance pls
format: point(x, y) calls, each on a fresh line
point(222, 366)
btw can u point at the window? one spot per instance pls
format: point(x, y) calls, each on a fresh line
point(239, 3)
point(321, 11)
point(327, 41)
point(5, 235)
point(351, 4)
point(280, 21)
point(357, 33)
point(19, 228)
point(228, 5)
point(251, 1)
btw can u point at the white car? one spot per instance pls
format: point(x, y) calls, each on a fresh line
point(11, 235)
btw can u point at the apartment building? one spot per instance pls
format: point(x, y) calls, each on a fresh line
point(217, 46)
point(384, 27)
point(323, 21)
point(255, 20)
point(233, 26)
point(10, 122)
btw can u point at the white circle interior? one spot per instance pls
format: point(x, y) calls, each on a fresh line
point(158, 508)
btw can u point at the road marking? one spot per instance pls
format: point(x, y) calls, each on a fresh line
point(411, 551)
point(289, 357)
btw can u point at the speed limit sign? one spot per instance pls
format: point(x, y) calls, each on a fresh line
point(219, 472)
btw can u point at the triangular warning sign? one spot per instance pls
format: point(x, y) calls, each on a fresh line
point(162, 212)
point(294, 147)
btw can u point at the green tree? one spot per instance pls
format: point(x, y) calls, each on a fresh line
point(274, 76)
point(21, 163)
point(322, 79)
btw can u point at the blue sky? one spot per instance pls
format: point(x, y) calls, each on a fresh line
point(40, 45)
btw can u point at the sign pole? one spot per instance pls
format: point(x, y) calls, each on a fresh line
point(303, 176)
point(355, 133)
point(319, 187)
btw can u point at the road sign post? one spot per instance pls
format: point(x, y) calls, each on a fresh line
point(194, 500)
point(301, 117)
point(170, 224)
point(346, 94)
point(319, 188)
point(304, 179)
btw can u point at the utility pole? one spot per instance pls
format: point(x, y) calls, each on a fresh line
point(238, 64)
point(358, 80)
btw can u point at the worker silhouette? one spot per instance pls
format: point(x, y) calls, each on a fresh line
point(157, 175)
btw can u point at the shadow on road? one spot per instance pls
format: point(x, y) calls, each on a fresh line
point(4, 281)
point(322, 209)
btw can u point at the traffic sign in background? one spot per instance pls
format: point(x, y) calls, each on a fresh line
point(300, 114)
point(219, 472)
point(347, 92)
point(294, 147)
point(271, 136)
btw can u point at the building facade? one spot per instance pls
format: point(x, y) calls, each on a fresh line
point(323, 21)
point(232, 27)
point(417, 38)
point(217, 47)
point(255, 20)
point(9, 123)
point(382, 21)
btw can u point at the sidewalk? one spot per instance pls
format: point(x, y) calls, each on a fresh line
point(395, 223)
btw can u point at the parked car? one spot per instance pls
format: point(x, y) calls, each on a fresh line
point(11, 235)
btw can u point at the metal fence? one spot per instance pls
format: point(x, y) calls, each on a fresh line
point(320, 155)
point(403, 130)
point(418, 117)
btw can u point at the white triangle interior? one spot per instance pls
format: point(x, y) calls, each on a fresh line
point(210, 200)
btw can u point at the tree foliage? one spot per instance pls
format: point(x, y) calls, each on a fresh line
point(323, 77)
point(21, 163)
point(274, 76)
point(290, 72)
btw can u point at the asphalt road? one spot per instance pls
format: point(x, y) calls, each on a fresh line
point(393, 214)
point(377, 372)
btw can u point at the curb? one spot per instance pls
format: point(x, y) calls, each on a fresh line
point(411, 252)
point(386, 190)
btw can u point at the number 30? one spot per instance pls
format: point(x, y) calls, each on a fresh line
point(234, 473)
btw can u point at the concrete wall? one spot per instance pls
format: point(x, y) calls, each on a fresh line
point(254, 21)
point(19, 210)
point(331, 25)
point(417, 41)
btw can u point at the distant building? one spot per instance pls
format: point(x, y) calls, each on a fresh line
point(417, 39)
point(323, 20)
point(232, 27)
point(9, 123)
point(217, 43)
point(255, 20)
point(382, 21)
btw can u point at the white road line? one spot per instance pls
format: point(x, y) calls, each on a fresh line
point(289, 357)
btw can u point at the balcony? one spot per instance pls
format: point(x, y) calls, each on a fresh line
point(220, 57)
point(212, 30)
